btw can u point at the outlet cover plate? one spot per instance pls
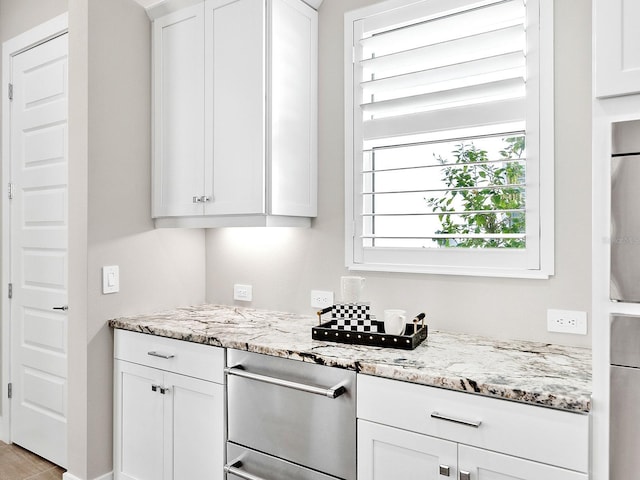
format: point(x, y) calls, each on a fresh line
point(243, 293)
point(567, 321)
point(321, 299)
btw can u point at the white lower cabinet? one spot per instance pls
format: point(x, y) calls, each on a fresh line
point(168, 425)
point(416, 432)
point(388, 453)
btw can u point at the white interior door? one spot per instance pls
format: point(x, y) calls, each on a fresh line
point(39, 260)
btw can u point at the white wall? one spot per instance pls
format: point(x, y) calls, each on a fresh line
point(284, 265)
point(17, 16)
point(110, 191)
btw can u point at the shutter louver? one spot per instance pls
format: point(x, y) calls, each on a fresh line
point(426, 87)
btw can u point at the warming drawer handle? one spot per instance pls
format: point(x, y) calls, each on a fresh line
point(333, 392)
point(469, 423)
point(161, 355)
point(235, 470)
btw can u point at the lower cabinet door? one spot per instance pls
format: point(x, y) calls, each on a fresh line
point(195, 418)
point(387, 453)
point(478, 464)
point(139, 431)
point(167, 426)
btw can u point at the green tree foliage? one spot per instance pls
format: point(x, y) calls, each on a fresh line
point(480, 186)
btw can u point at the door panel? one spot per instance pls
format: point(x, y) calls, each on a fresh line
point(196, 428)
point(140, 431)
point(39, 259)
point(485, 465)
point(179, 112)
point(386, 453)
point(236, 110)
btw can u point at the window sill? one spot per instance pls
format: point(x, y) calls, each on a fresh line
point(449, 270)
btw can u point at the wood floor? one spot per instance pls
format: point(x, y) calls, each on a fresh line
point(19, 464)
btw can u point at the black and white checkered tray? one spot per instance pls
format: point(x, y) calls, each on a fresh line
point(352, 323)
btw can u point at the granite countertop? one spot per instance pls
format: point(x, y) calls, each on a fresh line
point(535, 373)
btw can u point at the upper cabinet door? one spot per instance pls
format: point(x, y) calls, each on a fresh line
point(178, 184)
point(235, 50)
point(293, 109)
point(617, 47)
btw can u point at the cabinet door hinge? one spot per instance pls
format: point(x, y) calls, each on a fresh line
point(11, 290)
point(10, 91)
point(10, 194)
point(10, 390)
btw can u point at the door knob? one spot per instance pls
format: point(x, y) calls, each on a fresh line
point(63, 308)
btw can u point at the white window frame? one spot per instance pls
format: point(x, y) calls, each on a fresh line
point(539, 252)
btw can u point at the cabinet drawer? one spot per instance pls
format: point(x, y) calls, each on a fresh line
point(537, 433)
point(186, 358)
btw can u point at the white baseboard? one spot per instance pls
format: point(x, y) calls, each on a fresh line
point(106, 476)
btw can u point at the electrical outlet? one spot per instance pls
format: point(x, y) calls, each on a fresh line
point(244, 293)
point(567, 321)
point(321, 299)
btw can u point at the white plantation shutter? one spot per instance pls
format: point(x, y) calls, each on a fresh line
point(424, 77)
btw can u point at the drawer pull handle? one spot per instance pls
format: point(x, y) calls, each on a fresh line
point(465, 475)
point(445, 470)
point(333, 392)
point(459, 421)
point(235, 470)
point(161, 355)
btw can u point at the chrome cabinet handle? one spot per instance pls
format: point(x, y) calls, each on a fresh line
point(333, 392)
point(445, 470)
point(161, 355)
point(197, 199)
point(64, 308)
point(460, 421)
point(235, 470)
point(465, 475)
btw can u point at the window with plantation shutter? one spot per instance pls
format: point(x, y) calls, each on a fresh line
point(449, 137)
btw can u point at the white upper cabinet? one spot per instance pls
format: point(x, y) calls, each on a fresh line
point(617, 47)
point(235, 120)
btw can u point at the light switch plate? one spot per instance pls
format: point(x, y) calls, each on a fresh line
point(110, 279)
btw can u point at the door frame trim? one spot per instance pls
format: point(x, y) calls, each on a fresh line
point(31, 38)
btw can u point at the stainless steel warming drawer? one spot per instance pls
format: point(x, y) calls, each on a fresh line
point(286, 414)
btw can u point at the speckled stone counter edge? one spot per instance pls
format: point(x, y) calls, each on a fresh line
point(534, 373)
